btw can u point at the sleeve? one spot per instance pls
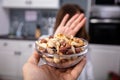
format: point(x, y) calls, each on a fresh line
point(89, 68)
point(87, 73)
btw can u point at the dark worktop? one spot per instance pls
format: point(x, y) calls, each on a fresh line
point(12, 37)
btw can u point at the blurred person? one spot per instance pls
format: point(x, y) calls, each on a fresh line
point(75, 27)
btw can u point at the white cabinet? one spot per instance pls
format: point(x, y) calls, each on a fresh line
point(16, 3)
point(105, 58)
point(13, 55)
point(49, 4)
point(8, 63)
point(43, 4)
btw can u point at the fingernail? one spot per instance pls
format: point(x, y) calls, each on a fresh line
point(77, 14)
point(82, 14)
point(67, 14)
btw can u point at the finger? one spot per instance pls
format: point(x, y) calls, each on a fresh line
point(81, 24)
point(78, 69)
point(64, 20)
point(72, 20)
point(34, 58)
point(77, 21)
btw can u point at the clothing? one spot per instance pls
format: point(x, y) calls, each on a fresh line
point(87, 73)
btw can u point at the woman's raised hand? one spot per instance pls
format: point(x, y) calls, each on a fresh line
point(72, 26)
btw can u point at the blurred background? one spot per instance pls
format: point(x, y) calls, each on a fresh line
point(23, 21)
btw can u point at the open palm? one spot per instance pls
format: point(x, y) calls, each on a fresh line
point(72, 26)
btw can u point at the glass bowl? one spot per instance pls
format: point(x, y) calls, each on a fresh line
point(63, 61)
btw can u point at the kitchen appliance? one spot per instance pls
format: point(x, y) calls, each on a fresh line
point(106, 2)
point(105, 25)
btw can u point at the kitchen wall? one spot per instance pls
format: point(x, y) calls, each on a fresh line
point(4, 20)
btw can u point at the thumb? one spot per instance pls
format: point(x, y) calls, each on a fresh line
point(34, 58)
point(78, 69)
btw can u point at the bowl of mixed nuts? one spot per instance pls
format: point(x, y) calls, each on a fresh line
point(61, 51)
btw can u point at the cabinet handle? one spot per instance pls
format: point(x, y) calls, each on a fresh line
point(28, 2)
point(95, 21)
point(30, 45)
point(17, 53)
point(5, 44)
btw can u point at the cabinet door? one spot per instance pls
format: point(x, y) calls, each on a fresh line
point(8, 63)
point(54, 4)
point(26, 49)
point(45, 4)
point(23, 59)
point(13, 55)
point(16, 3)
point(104, 59)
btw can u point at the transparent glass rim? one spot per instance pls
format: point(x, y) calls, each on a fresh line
point(85, 47)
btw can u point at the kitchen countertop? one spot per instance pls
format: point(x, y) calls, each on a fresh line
point(16, 38)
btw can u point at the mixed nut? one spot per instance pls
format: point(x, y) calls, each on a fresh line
point(59, 45)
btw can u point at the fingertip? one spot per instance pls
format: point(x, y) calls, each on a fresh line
point(78, 68)
point(64, 20)
point(77, 14)
point(82, 14)
point(66, 15)
point(82, 63)
point(83, 21)
point(34, 58)
point(83, 59)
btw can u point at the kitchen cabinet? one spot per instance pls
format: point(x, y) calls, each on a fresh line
point(16, 3)
point(105, 58)
point(49, 4)
point(8, 63)
point(13, 55)
point(41, 4)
